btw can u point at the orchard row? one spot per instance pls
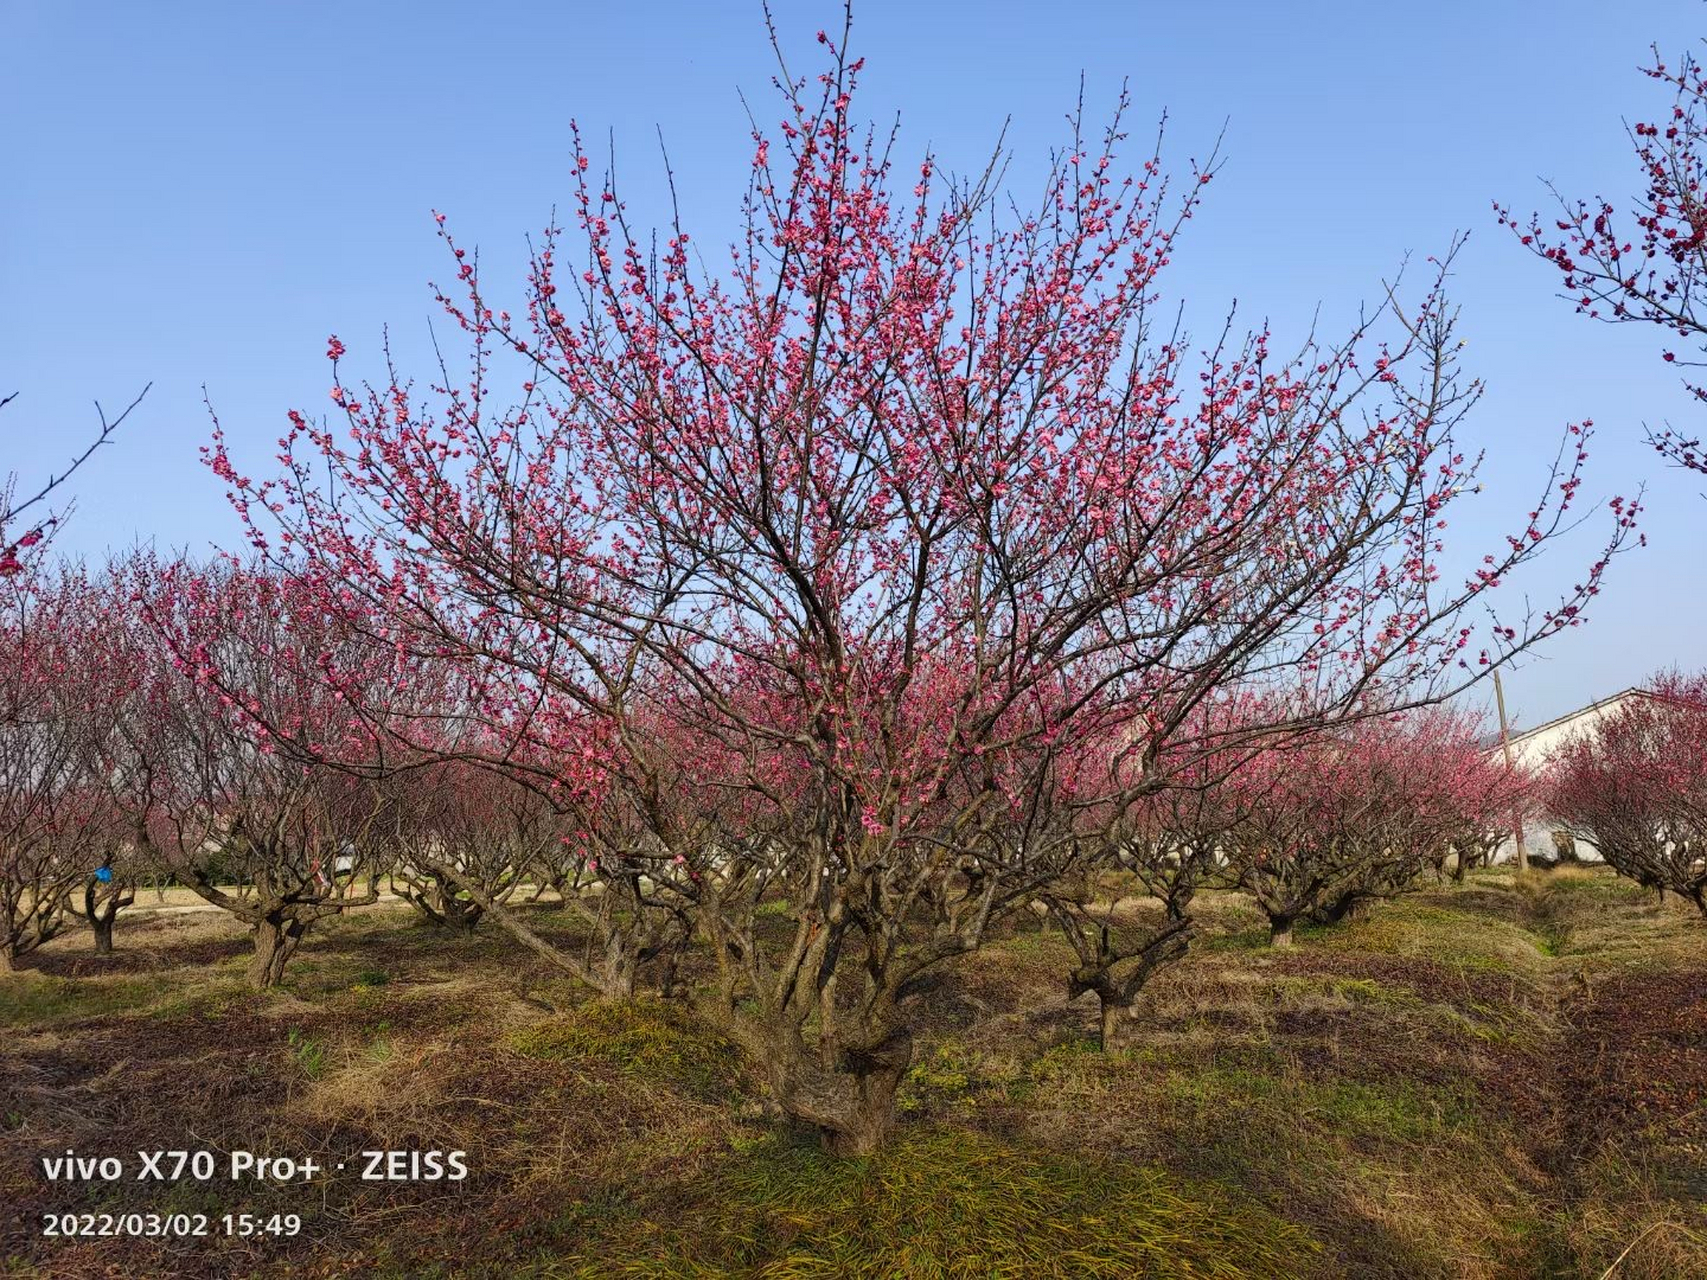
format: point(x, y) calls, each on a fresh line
point(908, 574)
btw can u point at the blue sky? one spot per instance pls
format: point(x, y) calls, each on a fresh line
point(198, 193)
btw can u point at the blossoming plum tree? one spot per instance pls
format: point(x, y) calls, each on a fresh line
point(42, 820)
point(1647, 265)
point(245, 817)
point(805, 578)
point(1450, 800)
point(458, 826)
point(1346, 816)
point(468, 838)
point(102, 687)
point(1166, 839)
point(1635, 787)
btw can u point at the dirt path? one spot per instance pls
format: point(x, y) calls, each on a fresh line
point(1627, 1085)
point(176, 908)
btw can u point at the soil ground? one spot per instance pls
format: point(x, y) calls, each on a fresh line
point(1488, 1080)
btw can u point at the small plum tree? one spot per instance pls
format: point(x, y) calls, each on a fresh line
point(107, 890)
point(462, 831)
point(265, 834)
point(1344, 818)
point(44, 823)
point(1634, 786)
point(1168, 842)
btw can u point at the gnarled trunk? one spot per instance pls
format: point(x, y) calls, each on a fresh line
point(617, 976)
point(1280, 931)
point(102, 911)
point(1118, 975)
point(277, 936)
point(1348, 906)
point(461, 914)
point(1113, 1001)
point(20, 941)
point(852, 1105)
point(870, 1122)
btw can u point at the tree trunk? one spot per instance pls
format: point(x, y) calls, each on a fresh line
point(1280, 931)
point(1113, 1012)
point(667, 974)
point(870, 1122)
point(666, 971)
point(5, 958)
point(618, 976)
point(103, 931)
point(849, 1102)
point(1348, 906)
point(460, 915)
point(276, 941)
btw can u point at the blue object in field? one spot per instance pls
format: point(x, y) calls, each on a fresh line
point(103, 874)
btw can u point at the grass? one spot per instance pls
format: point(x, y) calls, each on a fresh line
point(308, 1053)
point(943, 1077)
point(647, 1040)
point(1355, 1112)
point(1500, 1079)
point(939, 1203)
point(35, 1000)
point(1433, 926)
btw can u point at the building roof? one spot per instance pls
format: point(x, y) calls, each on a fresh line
point(1521, 734)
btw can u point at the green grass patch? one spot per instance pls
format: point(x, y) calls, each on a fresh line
point(1252, 939)
point(938, 1203)
point(1364, 992)
point(211, 999)
point(648, 1040)
point(35, 1000)
point(1394, 1114)
point(945, 1077)
point(1369, 991)
point(378, 1047)
point(1463, 939)
point(307, 1052)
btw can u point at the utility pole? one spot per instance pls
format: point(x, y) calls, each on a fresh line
point(1505, 745)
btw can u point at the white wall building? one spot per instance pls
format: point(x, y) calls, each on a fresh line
point(1533, 749)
